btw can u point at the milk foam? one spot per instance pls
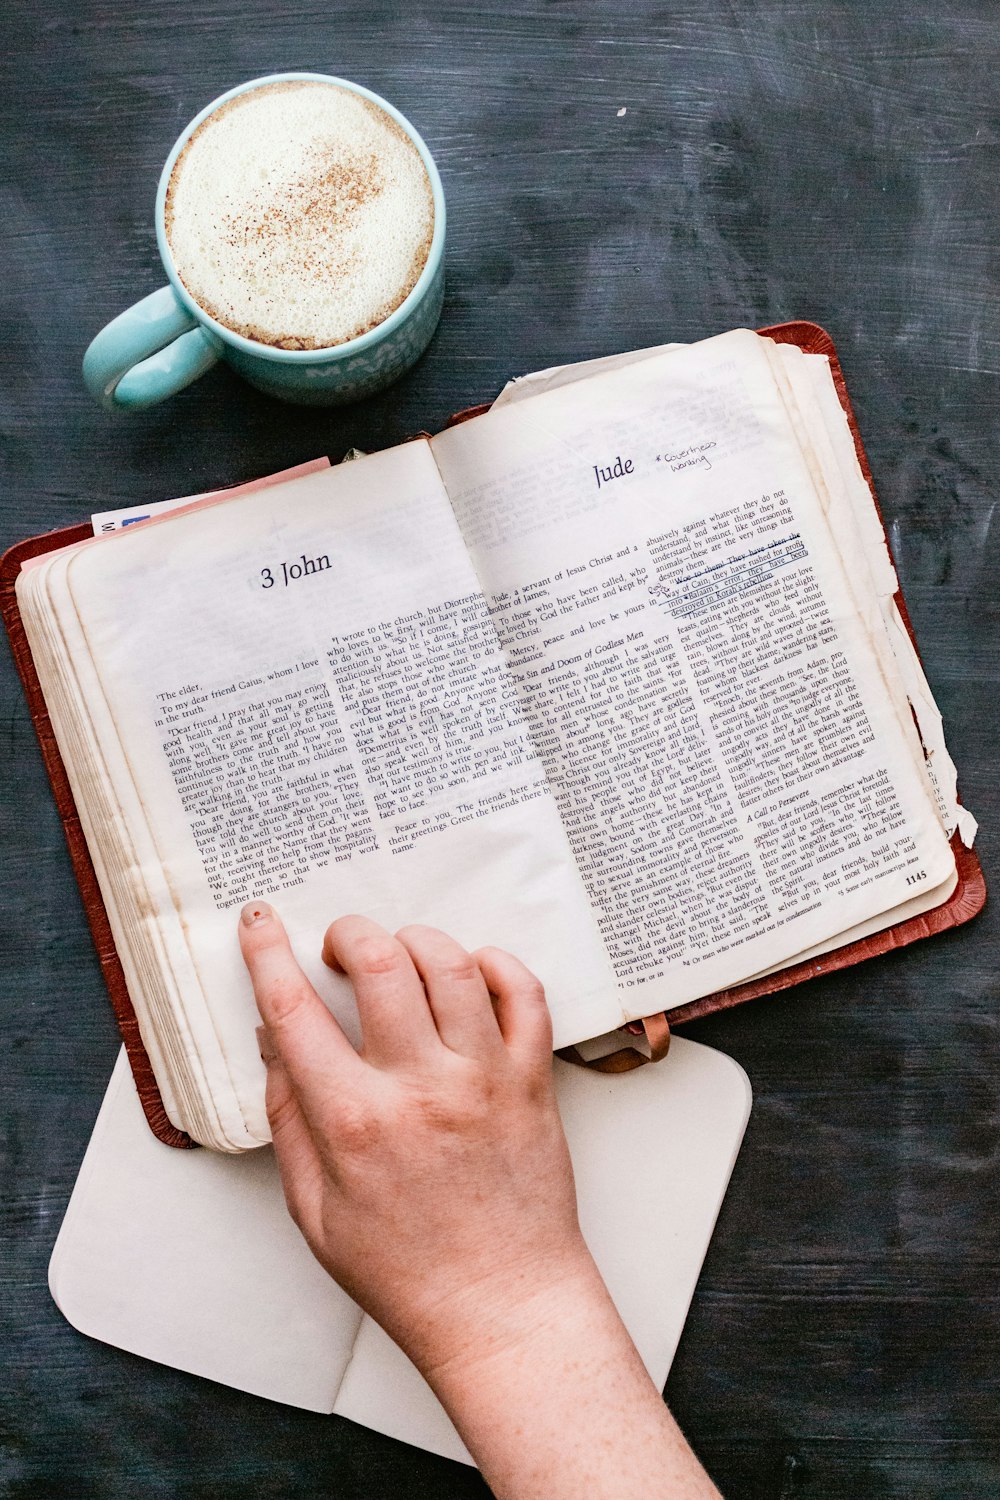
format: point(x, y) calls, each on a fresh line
point(299, 214)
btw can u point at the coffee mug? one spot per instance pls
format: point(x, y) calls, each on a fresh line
point(166, 341)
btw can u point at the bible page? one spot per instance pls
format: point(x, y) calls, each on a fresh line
point(823, 430)
point(314, 708)
point(871, 548)
point(859, 535)
point(701, 690)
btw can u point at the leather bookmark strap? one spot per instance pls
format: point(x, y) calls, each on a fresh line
point(657, 1032)
point(657, 1029)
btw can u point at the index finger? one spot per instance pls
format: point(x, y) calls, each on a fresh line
point(306, 1037)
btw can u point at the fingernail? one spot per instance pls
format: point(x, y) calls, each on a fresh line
point(264, 1045)
point(254, 912)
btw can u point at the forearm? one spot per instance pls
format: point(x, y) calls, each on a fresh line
point(553, 1402)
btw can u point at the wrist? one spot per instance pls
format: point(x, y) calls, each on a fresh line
point(506, 1308)
point(526, 1319)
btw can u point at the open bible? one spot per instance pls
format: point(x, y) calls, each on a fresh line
point(613, 676)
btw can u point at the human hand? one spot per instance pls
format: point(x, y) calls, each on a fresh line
point(429, 1173)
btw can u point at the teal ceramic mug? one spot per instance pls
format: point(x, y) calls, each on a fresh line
point(166, 341)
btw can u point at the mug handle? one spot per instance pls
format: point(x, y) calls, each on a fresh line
point(149, 352)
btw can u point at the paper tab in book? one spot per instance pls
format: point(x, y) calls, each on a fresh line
point(117, 520)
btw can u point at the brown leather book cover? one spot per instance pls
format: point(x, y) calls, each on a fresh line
point(964, 903)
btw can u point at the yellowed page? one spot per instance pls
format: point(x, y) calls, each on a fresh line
point(314, 708)
point(859, 535)
point(822, 427)
point(853, 494)
point(733, 778)
point(98, 775)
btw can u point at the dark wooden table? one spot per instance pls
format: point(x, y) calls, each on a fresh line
point(616, 175)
